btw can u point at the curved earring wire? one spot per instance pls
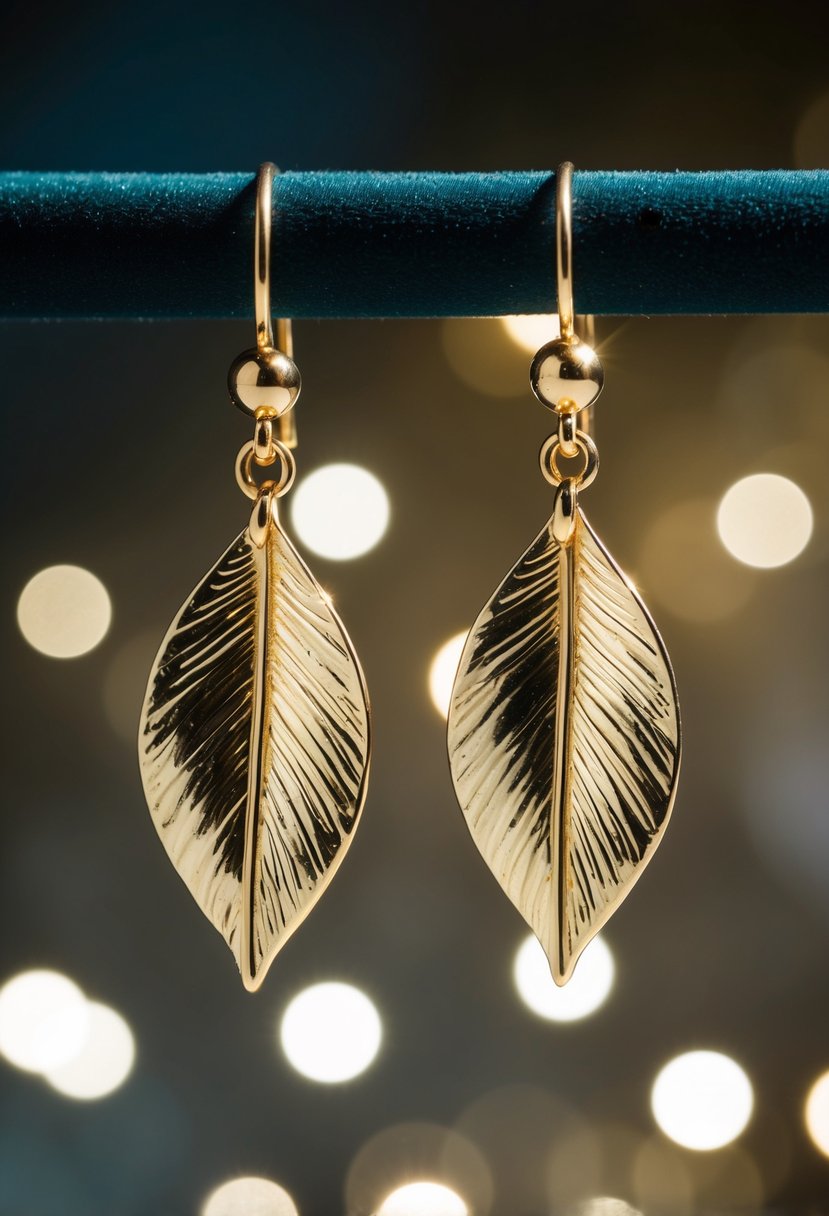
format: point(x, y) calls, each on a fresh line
point(564, 248)
point(262, 243)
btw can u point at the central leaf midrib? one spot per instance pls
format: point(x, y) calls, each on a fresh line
point(562, 739)
point(257, 757)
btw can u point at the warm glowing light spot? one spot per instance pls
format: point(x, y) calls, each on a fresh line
point(683, 566)
point(811, 141)
point(124, 683)
point(702, 1100)
point(817, 1113)
point(64, 611)
point(606, 1206)
point(44, 1020)
point(331, 1032)
point(765, 520)
point(660, 1178)
point(423, 1199)
point(249, 1197)
point(340, 511)
point(484, 358)
point(442, 672)
point(532, 330)
point(104, 1061)
point(585, 992)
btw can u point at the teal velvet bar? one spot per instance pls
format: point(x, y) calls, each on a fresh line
point(412, 245)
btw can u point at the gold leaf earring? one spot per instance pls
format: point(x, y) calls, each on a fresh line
point(254, 738)
point(564, 733)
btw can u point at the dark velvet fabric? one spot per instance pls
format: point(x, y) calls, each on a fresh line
point(425, 244)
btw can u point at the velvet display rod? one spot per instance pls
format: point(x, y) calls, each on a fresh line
point(165, 245)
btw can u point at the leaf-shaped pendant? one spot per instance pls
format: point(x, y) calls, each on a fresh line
point(564, 735)
point(254, 742)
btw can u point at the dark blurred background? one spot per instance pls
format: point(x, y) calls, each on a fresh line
point(119, 447)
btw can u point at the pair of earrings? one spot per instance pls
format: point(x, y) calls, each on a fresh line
point(563, 728)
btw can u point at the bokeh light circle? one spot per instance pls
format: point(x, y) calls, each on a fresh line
point(765, 520)
point(683, 565)
point(442, 671)
point(585, 992)
point(530, 331)
point(816, 1113)
point(702, 1100)
point(331, 1032)
point(424, 1198)
point(484, 358)
point(44, 1020)
point(104, 1061)
point(64, 611)
point(249, 1196)
point(811, 139)
point(606, 1205)
point(340, 511)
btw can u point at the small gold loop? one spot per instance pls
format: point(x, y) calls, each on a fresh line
point(549, 454)
point(244, 470)
point(567, 429)
point(564, 248)
point(263, 441)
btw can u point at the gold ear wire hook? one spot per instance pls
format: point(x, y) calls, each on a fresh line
point(564, 248)
point(263, 229)
point(564, 277)
point(566, 374)
point(264, 382)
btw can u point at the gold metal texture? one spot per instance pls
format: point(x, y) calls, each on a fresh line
point(265, 381)
point(254, 742)
point(564, 249)
point(566, 374)
point(563, 726)
point(564, 735)
point(548, 459)
point(247, 458)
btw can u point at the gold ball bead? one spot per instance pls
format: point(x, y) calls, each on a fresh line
point(566, 373)
point(264, 383)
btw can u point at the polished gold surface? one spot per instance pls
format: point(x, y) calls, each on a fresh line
point(564, 735)
point(566, 374)
point(262, 234)
point(246, 460)
point(583, 444)
point(564, 249)
point(563, 728)
point(265, 379)
point(254, 742)
point(254, 736)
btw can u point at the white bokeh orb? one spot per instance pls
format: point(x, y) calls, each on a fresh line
point(702, 1100)
point(44, 1020)
point(442, 671)
point(816, 1113)
point(64, 611)
point(331, 1032)
point(765, 520)
point(584, 993)
point(424, 1198)
point(530, 331)
point(340, 511)
point(249, 1196)
point(104, 1061)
